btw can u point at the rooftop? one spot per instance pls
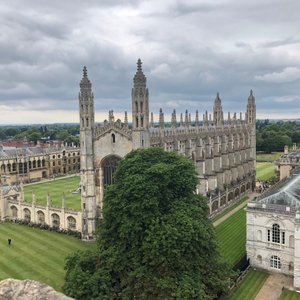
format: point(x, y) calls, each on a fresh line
point(286, 192)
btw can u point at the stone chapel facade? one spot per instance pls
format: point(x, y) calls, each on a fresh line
point(223, 151)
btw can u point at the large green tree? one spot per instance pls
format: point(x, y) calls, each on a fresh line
point(155, 240)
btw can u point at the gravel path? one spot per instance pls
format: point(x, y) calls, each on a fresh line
point(272, 288)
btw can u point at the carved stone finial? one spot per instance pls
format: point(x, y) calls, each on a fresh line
point(85, 82)
point(251, 97)
point(139, 79)
point(174, 121)
point(181, 119)
point(161, 119)
point(85, 72)
point(63, 201)
point(139, 65)
point(111, 118)
point(197, 118)
point(126, 119)
point(152, 120)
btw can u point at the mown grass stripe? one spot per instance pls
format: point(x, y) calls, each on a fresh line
point(27, 252)
point(231, 236)
point(40, 239)
point(250, 286)
point(36, 254)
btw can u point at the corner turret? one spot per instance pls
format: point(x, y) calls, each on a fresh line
point(140, 109)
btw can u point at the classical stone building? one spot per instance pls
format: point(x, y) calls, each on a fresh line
point(273, 229)
point(288, 162)
point(223, 151)
point(31, 164)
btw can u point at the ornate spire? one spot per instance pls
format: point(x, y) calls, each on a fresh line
point(111, 118)
point(217, 100)
point(251, 98)
point(126, 119)
point(173, 121)
point(161, 119)
point(85, 82)
point(139, 65)
point(181, 119)
point(152, 121)
point(139, 77)
point(186, 119)
point(197, 118)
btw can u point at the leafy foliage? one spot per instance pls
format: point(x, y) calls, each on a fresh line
point(155, 241)
point(34, 133)
point(272, 137)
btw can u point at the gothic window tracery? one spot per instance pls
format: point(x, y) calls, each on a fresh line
point(109, 166)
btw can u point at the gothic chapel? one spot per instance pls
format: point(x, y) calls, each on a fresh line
point(223, 151)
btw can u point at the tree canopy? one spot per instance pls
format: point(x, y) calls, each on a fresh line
point(155, 240)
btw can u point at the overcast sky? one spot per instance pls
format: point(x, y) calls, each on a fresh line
point(191, 49)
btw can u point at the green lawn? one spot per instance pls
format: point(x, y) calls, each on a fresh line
point(228, 209)
point(263, 157)
point(36, 254)
point(55, 188)
point(231, 236)
point(289, 295)
point(250, 286)
point(265, 170)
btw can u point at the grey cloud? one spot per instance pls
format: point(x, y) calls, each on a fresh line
point(190, 49)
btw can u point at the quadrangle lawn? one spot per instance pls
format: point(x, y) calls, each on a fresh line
point(55, 188)
point(231, 237)
point(268, 157)
point(265, 170)
point(36, 254)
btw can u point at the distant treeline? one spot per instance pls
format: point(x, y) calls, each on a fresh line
point(67, 133)
point(272, 137)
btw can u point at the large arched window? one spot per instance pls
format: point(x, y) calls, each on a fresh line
point(109, 166)
point(277, 235)
point(275, 262)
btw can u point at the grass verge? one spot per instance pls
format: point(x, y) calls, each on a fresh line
point(250, 286)
point(289, 295)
